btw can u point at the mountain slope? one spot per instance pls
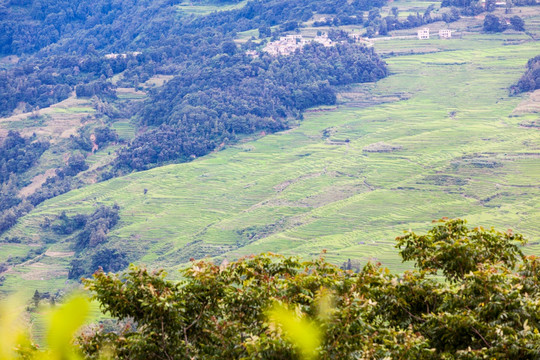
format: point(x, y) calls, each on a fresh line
point(439, 139)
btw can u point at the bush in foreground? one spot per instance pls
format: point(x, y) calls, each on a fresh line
point(473, 295)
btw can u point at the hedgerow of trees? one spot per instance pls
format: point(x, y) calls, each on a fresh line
point(90, 237)
point(531, 79)
point(493, 23)
point(473, 295)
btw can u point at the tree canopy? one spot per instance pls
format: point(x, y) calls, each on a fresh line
point(473, 295)
point(531, 78)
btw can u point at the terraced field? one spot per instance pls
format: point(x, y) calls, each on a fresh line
point(190, 8)
point(439, 137)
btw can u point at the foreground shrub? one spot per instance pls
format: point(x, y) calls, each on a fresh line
point(61, 324)
point(483, 304)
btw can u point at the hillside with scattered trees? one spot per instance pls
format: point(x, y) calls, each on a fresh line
point(152, 151)
point(217, 92)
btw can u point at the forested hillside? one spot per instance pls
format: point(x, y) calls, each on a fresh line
point(208, 104)
point(71, 39)
point(64, 44)
point(217, 91)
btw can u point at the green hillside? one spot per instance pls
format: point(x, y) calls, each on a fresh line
point(439, 137)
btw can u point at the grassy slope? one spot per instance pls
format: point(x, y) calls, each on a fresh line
point(306, 189)
point(187, 7)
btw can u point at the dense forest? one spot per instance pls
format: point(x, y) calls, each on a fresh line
point(62, 43)
point(231, 93)
point(224, 101)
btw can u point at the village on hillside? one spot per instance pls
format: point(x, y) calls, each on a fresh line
point(288, 44)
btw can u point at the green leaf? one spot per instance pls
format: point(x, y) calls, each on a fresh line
point(63, 325)
point(301, 332)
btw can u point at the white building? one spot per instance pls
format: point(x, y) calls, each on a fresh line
point(290, 43)
point(323, 39)
point(123, 56)
point(423, 34)
point(356, 37)
point(445, 33)
point(252, 53)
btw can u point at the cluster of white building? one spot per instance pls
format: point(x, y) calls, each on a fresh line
point(289, 44)
point(498, 3)
point(123, 56)
point(423, 34)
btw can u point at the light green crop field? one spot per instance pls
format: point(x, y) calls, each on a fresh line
point(190, 8)
point(436, 138)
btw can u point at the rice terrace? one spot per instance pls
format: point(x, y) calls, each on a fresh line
point(460, 151)
point(441, 136)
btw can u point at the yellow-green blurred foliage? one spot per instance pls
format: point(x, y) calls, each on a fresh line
point(62, 324)
point(305, 334)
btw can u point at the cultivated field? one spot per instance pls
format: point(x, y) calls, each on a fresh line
point(190, 8)
point(439, 137)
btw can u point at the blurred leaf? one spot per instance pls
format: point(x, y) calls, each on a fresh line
point(325, 304)
point(303, 333)
point(64, 322)
point(12, 328)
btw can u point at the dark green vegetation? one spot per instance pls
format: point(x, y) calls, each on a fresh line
point(89, 236)
point(206, 105)
point(90, 30)
point(486, 305)
point(493, 23)
point(17, 155)
point(531, 79)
